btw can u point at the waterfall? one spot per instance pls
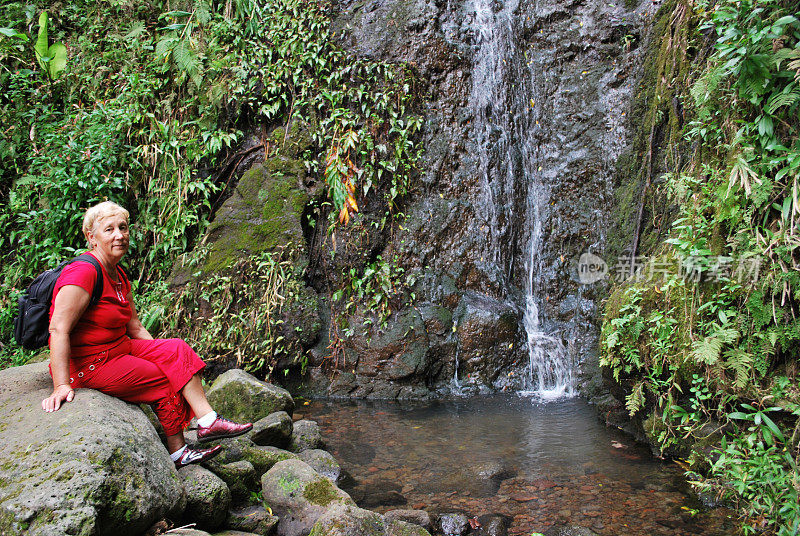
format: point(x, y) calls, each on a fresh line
point(504, 101)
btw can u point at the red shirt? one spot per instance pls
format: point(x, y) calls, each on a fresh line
point(102, 325)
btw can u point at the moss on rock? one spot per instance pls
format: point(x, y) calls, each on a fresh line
point(320, 492)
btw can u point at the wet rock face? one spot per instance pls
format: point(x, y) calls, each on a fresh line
point(535, 150)
point(487, 332)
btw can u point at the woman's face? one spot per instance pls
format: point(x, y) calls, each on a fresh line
point(110, 237)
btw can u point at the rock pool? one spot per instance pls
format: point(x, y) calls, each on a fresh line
point(542, 465)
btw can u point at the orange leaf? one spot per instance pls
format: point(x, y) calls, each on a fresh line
point(351, 202)
point(344, 215)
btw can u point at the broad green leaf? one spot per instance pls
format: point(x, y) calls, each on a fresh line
point(58, 61)
point(41, 48)
point(11, 32)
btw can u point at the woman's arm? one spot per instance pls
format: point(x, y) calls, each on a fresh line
point(71, 302)
point(134, 327)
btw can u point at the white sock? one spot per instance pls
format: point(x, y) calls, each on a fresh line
point(207, 420)
point(177, 454)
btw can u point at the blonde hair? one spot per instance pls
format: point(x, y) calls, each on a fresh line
point(101, 211)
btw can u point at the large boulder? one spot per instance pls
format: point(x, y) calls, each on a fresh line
point(395, 352)
point(94, 467)
point(349, 520)
point(488, 333)
point(266, 207)
point(207, 497)
point(242, 397)
point(298, 495)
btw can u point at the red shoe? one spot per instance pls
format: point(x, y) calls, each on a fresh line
point(190, 456)
point(221, 428)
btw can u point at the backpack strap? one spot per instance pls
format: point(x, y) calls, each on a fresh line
point(98, 282)
point(122, 274)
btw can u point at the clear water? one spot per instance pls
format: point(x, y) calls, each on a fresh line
point(560, 465)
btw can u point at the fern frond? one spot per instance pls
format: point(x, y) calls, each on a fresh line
point(187, 62)
point(136, 30)
point(635, 401)
point(165, 45)
point(788, 97)
point(727, 335)
point(707, 351)
point(740, 362)
point(706, 85)
point(202, 11)
point(793, 57)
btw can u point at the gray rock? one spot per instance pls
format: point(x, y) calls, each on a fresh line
point(188, 532)
point(487, 332)
point(453, 524)
point(493, 525)
point(240, 477)
point(96, 466)
point(417, 517)
point(242, 397)
point(395, 352)
point(322, 462)
point(262, 458)
point(306, 435)
point(235, 533)
point(274, 430)
point(349, 520)
point(298, 495)
point(252, 519)
point(489, 476)
point(207, 497)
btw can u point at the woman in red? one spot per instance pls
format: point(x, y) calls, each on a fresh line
point(105, 346)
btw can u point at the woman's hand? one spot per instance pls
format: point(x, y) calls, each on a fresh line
point(62, 393)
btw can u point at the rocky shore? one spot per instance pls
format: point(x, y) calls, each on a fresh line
point(98, 466)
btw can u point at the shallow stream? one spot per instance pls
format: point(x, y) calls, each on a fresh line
point(539, 464)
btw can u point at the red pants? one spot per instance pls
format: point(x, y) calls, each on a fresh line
point(143, 372)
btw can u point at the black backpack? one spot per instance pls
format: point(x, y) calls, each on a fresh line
point(32, 325)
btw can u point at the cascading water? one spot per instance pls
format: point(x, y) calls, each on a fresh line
point(503, 99)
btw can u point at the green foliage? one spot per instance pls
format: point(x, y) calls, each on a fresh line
point(758, 469)
point(381, 286)
point(151, 105)
point(52, 58)
point(714, 332)
point(236, 317)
